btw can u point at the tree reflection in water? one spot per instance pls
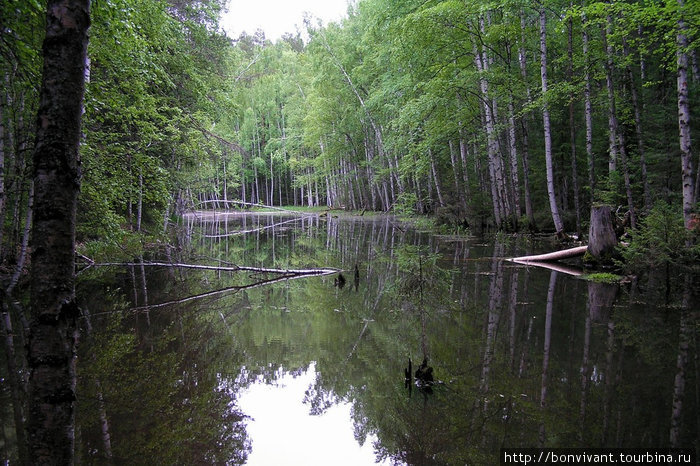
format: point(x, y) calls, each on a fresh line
point(524, 356)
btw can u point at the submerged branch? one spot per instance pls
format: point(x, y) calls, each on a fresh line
point(230, 289)
point(235, 268)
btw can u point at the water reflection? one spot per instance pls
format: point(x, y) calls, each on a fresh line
point(281, 425)
point(522, 356)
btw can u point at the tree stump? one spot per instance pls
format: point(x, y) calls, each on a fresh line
point(601, 236)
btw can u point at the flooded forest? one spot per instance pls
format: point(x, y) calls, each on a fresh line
point(229, 249)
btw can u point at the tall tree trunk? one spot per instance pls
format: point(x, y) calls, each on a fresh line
point(572, 127)
point(558, 225)
point(588, 112)
point(369, 155)
point(495, 174)
point(54, 331)
point(628, 182)
point(637, 105)
point(612, 112)
point(3, 202)
point(463, 154)
point(2, 174)
point(257, 185)
point(139, 204)
point(514, 178)
point(525, 156)
point(455, 170)
point(684, 119)
point(19, 267)
point(438, 188)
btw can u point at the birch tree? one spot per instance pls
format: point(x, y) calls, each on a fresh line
point(52, 346)
point(558, 224)
point(684, 117)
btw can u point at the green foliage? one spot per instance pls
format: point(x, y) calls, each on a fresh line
point(660, 241)
point(117, 245)
point(612, 190)
point(406, 204)
point(376, 111)
point(603, 277)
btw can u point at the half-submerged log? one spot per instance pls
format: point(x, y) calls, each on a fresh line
point(602, 240)
point(553, 256)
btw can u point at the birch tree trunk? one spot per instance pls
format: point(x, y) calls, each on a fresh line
point(572, 127)
point(588, 112)
point(495, 168)
point(558, 225)
point(684, 119)
point(438, 188)
point(2, 173)
point(514, 178)
point(612, 112)
point(455, 171)
point(139, 203)
point(54, 331)
point(525, 156)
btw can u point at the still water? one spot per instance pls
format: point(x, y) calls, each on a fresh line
point(186, 366)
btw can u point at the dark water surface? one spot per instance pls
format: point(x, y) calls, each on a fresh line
point(305, 372)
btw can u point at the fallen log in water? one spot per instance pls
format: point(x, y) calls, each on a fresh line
point(601, 244)
point(553, 256)
point(235, 268)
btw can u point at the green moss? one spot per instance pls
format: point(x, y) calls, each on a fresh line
point(603, 277)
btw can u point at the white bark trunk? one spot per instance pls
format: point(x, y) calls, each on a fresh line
point(684, 120)
point(558, 225)
point(588, 112)
point(612, 112)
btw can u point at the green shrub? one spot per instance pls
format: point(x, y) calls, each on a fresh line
point(406, 204)
point(660, 240)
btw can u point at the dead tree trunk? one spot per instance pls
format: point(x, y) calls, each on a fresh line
point(601, 235)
